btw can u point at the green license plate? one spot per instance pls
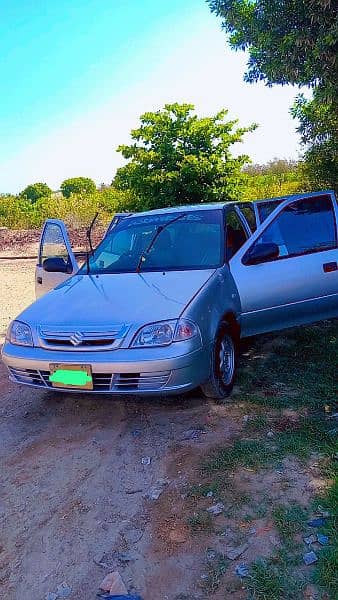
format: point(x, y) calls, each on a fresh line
point(71, 376)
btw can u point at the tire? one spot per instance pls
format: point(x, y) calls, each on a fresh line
point(223, 364)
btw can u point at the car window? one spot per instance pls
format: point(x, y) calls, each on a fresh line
point(235, 234)
point(53, 244)
point(249, 215)
point(192, 240)
point(304, 226)
point(265, 208)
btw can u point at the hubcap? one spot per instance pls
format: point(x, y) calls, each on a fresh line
point(226, 360)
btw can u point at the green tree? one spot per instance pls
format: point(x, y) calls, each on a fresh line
point(35, 191)
point(77, 185)
point(179, 158)
point(318, 127)
point(289, 41)
point(293, 41)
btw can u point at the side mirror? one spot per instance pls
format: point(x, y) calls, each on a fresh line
point(56, 264)
point(260, 253)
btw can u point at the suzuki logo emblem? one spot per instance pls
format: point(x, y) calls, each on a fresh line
point(76, 338)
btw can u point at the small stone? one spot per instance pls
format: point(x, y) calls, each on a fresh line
point(51, 596)
point(234, 553)
point(113, 583)
point(270, 434)
point(194, 434)
point(322, 512)
point(320, 522)
point(246, 418)
point(125, 557)
point(146, 460)
point(322, 539)
point(252, 531)
point(311, 539)
point(216, 509)
point(274, 541)
point(210, 494)
point(309, 558)
point(157, 489)
point(211, 555)
point(133, 536)
point(63, 590)
point(242, 570)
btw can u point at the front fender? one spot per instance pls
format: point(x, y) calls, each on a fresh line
point(216, 299)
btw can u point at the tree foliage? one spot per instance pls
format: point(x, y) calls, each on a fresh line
point(318, 127)
point(278, 177)
point(293, 41)
point(289, 41)
point(179, 158)
point(77, 185)
point(35, 191)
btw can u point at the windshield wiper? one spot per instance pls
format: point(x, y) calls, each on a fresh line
point(154, 238)
point(89, 238)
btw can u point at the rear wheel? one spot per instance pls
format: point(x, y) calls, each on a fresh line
point(223, 364)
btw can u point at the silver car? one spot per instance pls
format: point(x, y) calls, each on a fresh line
point(161, 304)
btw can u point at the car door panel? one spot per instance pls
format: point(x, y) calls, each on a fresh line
point(54, 242)
point(291, 290)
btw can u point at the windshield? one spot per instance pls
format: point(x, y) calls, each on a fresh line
point(193, 241)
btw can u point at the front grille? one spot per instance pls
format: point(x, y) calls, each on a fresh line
point(102, 382)
point(72, 339)
point(91, 343)
point(125, 382)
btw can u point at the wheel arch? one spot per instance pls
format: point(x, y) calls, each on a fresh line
point(230, 318)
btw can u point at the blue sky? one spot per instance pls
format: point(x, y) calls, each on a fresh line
point(76, 75)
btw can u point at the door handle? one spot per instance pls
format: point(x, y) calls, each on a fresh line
point(39, 280)
point(330, 266)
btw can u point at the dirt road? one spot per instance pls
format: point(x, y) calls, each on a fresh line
point(73, 490)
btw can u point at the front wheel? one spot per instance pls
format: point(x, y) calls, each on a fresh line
point(223, 364)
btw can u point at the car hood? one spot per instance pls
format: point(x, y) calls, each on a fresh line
point(138, 298)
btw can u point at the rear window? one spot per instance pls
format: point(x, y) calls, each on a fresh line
point(304, 226)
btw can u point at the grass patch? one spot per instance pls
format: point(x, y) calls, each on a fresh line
point(256, 423)
point(311, 435)
point(289, 520)
point(243, 453)
point(202, 490)
point(201, 522)
point(270, 582)
point(299, 368)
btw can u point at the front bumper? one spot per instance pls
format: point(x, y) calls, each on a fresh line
point(147, 371)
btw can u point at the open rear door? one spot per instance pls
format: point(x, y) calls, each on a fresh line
point(54, 244)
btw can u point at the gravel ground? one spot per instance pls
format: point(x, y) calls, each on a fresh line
point(16, 290)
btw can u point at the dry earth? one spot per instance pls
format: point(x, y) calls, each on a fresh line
point(73, 488)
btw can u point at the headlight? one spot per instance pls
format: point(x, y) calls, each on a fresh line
point(20, 334)
point(164, 333)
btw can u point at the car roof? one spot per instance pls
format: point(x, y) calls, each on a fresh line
point(187, 207)
point(221, 205)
